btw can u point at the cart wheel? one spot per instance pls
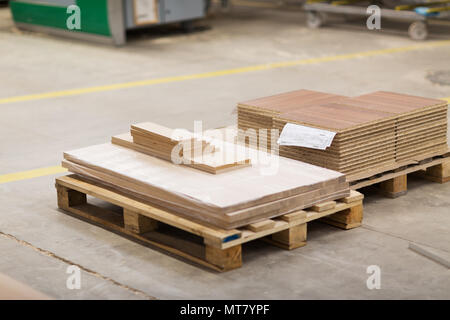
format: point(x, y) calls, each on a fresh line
point(418, 30)
point(314, 19)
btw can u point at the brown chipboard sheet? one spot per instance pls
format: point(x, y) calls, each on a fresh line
point(378, 127)
point(239, 190)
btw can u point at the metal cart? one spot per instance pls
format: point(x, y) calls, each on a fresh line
point(415, 12)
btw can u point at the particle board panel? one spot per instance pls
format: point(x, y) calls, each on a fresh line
point(239, 196)
point(375, 129)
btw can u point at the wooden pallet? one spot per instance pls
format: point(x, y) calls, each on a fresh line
point(206, 245)
point(394, 183)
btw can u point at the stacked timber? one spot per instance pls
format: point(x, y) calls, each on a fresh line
point(259, 113)
point(364, 138)
point(181, 147)
point(229, 200)
point(421, 124)
point(374, 133)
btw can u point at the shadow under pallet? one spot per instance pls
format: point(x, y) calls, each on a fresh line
point(394, 183)
point(205, 245)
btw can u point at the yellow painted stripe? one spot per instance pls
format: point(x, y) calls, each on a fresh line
point(448, 99)
point(260, 67)
point(24, 175)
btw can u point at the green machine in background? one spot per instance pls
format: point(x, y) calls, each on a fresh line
point(102, 20)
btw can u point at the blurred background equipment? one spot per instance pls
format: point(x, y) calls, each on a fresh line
point(104, 20)
point(416, 12)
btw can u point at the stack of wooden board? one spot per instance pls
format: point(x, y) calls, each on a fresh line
point(374, 132)
point(182, 147)
point(421, 124)
point(162, 141)
point(364, 138)
point(228, 200)
point(259, 113)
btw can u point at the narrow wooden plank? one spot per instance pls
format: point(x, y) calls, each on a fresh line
point(248, 235)
point(98, 215)
point(389, 175)
point(324, 206)
point(313, 215)
point(261, 225)
point(354, 196)
point(297, 215)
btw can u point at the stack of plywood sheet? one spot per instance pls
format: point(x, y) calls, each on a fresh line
point(182, 147)
point(374, 132)
point(421, 124)
point(236, 198)
point(364, 138)
point(259, 113)
point(162, 140)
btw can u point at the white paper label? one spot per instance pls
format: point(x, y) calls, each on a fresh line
point(145, 11)
point(302, 136)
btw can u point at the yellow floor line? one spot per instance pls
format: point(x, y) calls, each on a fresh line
point(24, 175)
point(447, 99)
point(275, 65)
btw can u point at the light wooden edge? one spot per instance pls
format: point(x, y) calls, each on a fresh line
point(392, 175)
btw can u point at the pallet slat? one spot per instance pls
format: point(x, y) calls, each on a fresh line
point(261, 225)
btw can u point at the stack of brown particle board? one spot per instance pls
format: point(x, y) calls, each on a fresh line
point(183, 146)
point(374, 132)
point(364, 138)
point(262, 190)
point(259, 113)
point(421, 124)
point(162, 140)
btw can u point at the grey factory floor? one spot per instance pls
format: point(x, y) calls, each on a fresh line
point(38, 242)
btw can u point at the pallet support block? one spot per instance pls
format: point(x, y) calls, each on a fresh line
point(291, 238)
point(346, 219)
point(138, 223)
point(394, 187)
point(439, 173)
point(69, 198)
point(224, 259)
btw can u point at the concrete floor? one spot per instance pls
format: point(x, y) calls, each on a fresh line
point(38, 242)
